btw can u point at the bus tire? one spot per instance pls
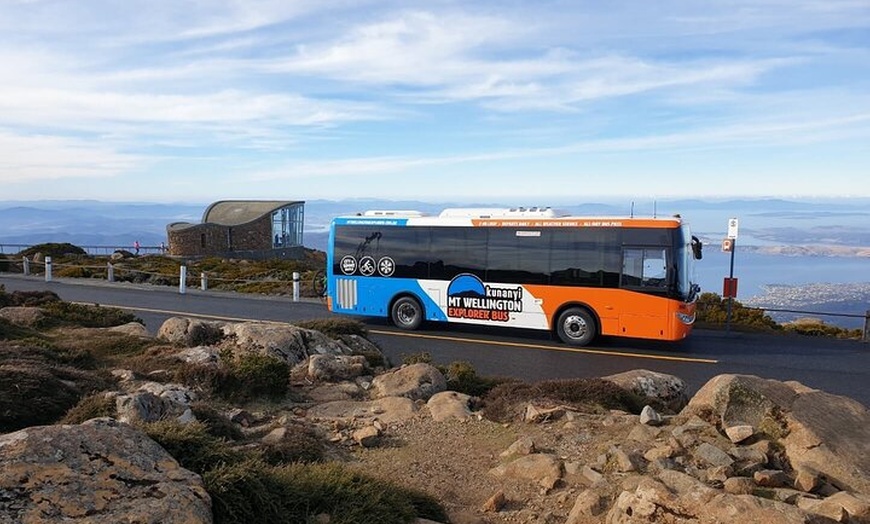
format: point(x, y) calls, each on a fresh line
point(576, 327)
point(407, 313)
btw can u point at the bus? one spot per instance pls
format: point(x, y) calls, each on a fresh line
point(533, 268)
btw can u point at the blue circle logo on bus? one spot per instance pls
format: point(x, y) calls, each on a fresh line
point(348, 265)
point(367, 266)
point(386, 266)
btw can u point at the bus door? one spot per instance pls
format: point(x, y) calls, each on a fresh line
point(643, 311)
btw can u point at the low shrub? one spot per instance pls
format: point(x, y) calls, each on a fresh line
point(67, 271)
point(256, 492)
point(36, 390)
point(462, 377)
point(91, 406)
point(506, 401)
point(335, 327)
point(53, 249)
point(86, 315)
point(422, 357)
point(216, 423)
point(300, 444)
point(257, 375)
point(203, 334)
point(817, 328)
point(238, 378)
point(192, 445)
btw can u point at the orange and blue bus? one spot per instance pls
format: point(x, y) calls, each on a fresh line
point(534, 268)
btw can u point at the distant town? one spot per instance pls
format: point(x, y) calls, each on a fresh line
point(836, 299)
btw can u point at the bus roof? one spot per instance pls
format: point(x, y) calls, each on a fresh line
point(505, 217)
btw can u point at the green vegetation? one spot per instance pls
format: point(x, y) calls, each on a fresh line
point(250, 485)
point(335, 327)
point(239, 378)
point(506, 402)
point(713, 313)
point(461, 375)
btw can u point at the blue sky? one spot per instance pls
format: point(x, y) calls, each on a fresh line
point(532, 102)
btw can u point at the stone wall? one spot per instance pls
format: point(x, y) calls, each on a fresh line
point(214, 239)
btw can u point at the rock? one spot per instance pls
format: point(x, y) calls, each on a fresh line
point(719, 473)
point(495, 503)
point(738, 434)
point(132, 329)
point(334, 368)
point(536, 415)
point(589, 503)
point(541, 468)
point(275, 436)
point(387, 410)
point(449, 405)
point(199, 355)
point(712, 455)
point(739, 486)
point(807, 479)
point(668, 389)
point(649, 417)
point(367, 437)
point(592, 477)
point(99, 471)
point(826, 432)
point(659, 452)
point(241, 417)
point(523, 446)
point(22, 316)
point(626, 461)
point(772, 478)
point(416, 382)
point(840, 507)
point(190, 332)
point(288, 343)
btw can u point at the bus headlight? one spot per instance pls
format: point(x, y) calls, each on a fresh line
point(686, 318)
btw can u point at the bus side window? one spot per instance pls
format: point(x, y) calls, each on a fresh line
point(644, 267)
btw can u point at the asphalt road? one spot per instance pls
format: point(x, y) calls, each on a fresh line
point(835, 366)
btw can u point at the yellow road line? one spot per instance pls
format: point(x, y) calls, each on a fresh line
point(589, 351)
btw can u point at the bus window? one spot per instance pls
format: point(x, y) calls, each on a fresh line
point(517, 256)
point(457, 250)
point(644, 267)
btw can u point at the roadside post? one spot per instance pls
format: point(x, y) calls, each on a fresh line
point(26, 266)
point(729, 287)
point(110, 272)
point(203, 281)
point(182, 280)
point(295, 286)
point(48, 269)
point(866, 337)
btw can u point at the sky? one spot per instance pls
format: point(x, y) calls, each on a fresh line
point(527, 102)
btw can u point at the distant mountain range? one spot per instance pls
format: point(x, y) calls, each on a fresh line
point(764, 222)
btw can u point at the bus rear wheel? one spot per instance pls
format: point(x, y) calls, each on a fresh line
point(576, 327)
point(407, 313)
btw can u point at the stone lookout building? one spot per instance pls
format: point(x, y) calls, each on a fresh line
point(242, 229)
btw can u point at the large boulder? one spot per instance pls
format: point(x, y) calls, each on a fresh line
point(819, 431)
point(190, 331)
point(416, 382)
point(671, 391)
point(286, 342)
point(96, 472)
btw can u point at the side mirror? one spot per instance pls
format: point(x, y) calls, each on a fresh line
point(697, 248)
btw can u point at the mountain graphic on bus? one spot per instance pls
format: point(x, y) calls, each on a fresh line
point(466, 285)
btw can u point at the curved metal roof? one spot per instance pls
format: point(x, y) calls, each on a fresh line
point(237, 212)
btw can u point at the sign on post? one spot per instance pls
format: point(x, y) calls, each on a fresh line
point(732, 229)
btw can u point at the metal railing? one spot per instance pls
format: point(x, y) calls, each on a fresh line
point(13, 249)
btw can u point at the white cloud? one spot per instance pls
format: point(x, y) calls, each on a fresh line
point(39, 158)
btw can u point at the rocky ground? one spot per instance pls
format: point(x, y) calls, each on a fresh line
point(742, 449)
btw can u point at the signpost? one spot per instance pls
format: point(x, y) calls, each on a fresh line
point(729, 287)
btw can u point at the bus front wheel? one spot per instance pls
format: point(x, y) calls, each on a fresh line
point(407, 313)
point(576, 327)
